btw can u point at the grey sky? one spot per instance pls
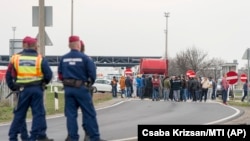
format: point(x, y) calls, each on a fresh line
point(136, 27)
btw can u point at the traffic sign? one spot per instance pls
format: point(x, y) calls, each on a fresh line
point(190, 73)
point(232, 77)
point(243, 77)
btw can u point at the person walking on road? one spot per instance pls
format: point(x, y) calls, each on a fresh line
point(31, 72)
point(77, 72)
point(245, 89)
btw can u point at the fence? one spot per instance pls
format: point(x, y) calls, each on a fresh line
point(4, 91)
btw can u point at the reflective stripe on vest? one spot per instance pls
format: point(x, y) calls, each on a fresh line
point(28, 68)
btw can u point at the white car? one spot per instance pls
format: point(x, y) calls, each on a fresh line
point(103, 85)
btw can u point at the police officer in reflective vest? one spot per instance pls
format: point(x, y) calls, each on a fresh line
point(23, 129)
point(31, 72)
point(75, 68)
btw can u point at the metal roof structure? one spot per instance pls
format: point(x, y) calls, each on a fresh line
point(100, 61)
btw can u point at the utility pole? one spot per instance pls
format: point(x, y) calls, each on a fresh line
point(166, 43)
point(42, 37)
point(41, 28)
point(72, 14)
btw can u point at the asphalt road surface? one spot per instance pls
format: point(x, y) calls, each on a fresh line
point(120, 121)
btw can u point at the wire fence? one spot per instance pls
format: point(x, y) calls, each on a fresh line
point(4, 91)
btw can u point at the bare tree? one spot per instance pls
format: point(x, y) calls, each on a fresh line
point(181, 62)
point(197, 60)
point(173, 69)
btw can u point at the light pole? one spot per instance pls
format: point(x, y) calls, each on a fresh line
point(166, 42)
point(72, 10)
point(13, 41)
point(42, 27)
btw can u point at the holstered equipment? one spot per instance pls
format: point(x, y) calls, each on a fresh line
point(17, 93)
point(74, 83)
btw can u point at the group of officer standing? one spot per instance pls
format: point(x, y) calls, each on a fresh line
point(27, 74)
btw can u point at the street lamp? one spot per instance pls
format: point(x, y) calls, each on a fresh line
point(166, 45)
point(13, 41)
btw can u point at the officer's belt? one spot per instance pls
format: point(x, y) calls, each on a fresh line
point(34, 83)
point(74, 83)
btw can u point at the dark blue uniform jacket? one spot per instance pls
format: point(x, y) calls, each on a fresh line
point(76, 65)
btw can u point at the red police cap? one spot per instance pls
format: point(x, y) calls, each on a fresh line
point(26, 39)
point(32, 41)
point(74, 39)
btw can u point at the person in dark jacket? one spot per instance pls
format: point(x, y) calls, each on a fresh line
point(193, 87)
point(128, 84)
point(31, 72)
point(113, 84)
point(176, 86)
point(148, 86)
point(143, 84)
point(245, 90)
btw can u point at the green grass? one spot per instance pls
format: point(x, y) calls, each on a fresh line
point(236, 101)
point(6, 110)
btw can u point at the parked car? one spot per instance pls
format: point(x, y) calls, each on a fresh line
point(103, 85)
point(219, 89)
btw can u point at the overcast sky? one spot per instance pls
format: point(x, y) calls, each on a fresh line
point(137, 27)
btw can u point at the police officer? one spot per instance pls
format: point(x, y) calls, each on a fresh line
point(86, 137)
point(83, 51)
point(23, 129)
point(75, 68)
point(31, 71)
point(91, 90)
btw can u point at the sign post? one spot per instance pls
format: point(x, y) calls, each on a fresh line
point(232, 78)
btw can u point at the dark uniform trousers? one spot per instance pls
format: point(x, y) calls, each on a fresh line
point(30, 96)
point(75, 98)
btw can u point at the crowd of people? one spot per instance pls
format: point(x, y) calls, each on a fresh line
point(171, 88)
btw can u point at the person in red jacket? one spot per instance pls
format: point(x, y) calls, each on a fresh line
point(156, 86)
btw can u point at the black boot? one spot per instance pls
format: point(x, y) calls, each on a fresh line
point(86, 137)
point(68, 138)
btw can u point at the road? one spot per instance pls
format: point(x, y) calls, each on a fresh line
point(119, 122)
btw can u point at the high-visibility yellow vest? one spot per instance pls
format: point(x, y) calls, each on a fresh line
point(28, 68)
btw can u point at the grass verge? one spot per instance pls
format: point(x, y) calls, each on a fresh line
point(6, 110)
